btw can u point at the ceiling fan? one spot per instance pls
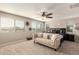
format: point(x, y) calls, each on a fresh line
point(46, 15)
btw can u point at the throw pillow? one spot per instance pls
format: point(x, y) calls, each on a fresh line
point(48, 37)
point(45, 35)
point(40, 35)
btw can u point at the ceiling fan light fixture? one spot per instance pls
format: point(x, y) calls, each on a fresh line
point(43, 14)
point(44, 18)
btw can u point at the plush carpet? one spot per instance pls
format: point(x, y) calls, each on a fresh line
point(27, 47)
point(69, 48)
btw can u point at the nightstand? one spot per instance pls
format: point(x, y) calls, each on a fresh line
point(70, 37)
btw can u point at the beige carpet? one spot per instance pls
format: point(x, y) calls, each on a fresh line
point(69, 48)
point(28, 48)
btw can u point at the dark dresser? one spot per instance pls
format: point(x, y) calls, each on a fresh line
point(69, 37)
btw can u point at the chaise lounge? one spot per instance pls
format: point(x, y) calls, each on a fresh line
point(48, 39)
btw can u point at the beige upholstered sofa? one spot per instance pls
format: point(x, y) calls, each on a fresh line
point(48, 39)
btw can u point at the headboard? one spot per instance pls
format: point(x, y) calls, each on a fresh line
point(61, 31)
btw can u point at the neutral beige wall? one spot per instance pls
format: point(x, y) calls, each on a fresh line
point(11, 36)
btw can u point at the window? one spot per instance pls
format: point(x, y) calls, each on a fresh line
point(7, 23)
point(33, 26)
point(37, 26)
point(19, 25)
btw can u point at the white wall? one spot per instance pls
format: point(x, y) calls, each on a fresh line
point(12, 36)
point(62, 22)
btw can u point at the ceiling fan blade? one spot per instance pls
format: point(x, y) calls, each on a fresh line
point(43, 14)
point(49, 14)
point(49, 17)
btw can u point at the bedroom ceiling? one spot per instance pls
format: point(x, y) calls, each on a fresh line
point(33, 10)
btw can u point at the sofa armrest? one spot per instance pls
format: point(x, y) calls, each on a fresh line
point(57, 43)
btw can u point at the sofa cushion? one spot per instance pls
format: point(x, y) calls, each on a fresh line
point(43, 41)
point(39, 35)
point(45, 35)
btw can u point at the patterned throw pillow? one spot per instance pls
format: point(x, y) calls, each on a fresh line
point(39, 35)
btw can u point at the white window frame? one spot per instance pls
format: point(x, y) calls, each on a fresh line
point(10, 24)
point(37, 29)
